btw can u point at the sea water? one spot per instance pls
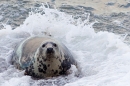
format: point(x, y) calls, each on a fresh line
point(103, 57)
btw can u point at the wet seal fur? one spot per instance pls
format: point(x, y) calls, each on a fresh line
point(43, 57)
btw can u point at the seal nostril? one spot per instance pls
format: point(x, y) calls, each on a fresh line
point(43, 45)
point(49, 50)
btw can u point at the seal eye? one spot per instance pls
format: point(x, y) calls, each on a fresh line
point(43, 45)
point(54, 45)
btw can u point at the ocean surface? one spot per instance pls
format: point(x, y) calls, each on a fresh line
point(99, 39)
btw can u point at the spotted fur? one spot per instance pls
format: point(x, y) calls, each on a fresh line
point(43, 57)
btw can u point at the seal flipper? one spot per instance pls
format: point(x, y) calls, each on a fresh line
point(66, 65)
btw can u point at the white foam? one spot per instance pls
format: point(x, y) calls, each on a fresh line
point(103, 57)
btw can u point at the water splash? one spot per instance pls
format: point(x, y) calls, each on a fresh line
point(103, 57)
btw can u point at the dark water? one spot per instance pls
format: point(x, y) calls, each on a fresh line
point(15, 12)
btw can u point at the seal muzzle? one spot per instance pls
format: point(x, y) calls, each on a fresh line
point(50, 50)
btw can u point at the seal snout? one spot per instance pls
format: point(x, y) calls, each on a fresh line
point(50, 50)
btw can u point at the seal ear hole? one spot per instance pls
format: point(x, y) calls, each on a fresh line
point(55, 45)
point(43, 45)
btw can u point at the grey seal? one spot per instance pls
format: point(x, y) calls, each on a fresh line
point(43, 57)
